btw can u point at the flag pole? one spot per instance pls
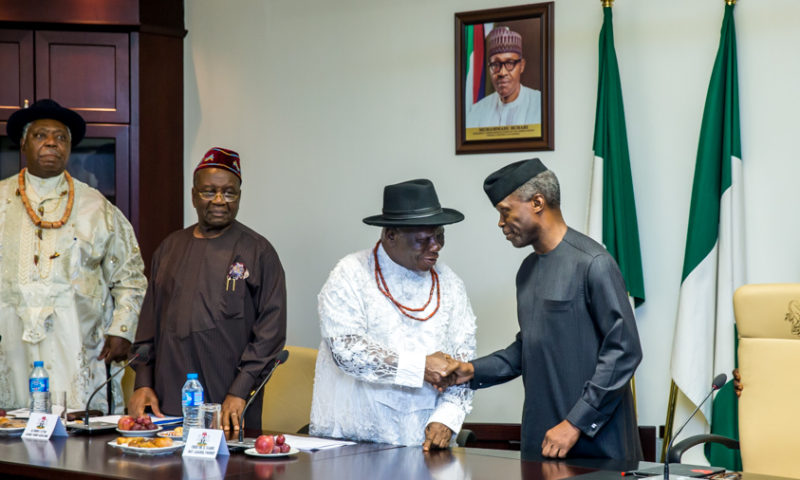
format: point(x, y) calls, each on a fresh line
point(670, 420)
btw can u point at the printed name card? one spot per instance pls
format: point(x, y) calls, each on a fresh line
point(205, 443)
point(42, 426)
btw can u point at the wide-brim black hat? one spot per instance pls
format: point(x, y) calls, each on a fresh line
point(413, 204)
point(46, 108)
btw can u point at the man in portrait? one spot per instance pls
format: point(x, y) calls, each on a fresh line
point(511, 103)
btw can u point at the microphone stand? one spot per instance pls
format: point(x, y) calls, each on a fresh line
point(719, 381)
point(278, 361)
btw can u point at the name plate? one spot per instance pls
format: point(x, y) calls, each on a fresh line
point(205, 443)
point(42, 426)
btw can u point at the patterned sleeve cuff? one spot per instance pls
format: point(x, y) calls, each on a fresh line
point(410, 369)
point(123, 325)
point(449, 415)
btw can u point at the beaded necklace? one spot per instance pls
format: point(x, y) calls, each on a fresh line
point(35, 218)
point(403, 309)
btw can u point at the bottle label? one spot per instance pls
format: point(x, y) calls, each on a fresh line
point(39, 384)
point(192, 399)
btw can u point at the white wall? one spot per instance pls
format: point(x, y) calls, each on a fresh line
point(327, 102)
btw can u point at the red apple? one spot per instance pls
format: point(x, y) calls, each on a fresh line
point(126, 423)
point(265, 443)
point(285, 448)
point(280, 439)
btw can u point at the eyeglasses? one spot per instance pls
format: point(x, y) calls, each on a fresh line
point(509, 64)
point(228, 196)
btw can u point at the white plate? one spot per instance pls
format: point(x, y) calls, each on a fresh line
point(139, 433)
point(11, 432)
point(147, 451)
point(252, 452)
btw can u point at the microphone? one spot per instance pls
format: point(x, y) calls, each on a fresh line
point(143, 351)
point(280, 359)
point(719, 381)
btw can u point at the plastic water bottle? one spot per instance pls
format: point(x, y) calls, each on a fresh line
point(39, 387)
point(192, 400)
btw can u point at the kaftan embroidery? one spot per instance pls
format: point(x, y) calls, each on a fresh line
point(368, 383)
point(60, 311)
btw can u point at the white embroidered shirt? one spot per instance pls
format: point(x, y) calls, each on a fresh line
point(369, 373)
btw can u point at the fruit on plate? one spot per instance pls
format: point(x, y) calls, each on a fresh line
point(141, 423)
point(125, 422)
point(265, 444)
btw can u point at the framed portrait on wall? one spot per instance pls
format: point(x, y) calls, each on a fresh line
point(504, 79)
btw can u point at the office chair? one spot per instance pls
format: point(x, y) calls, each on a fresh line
point(768, 323)
point(287, 395)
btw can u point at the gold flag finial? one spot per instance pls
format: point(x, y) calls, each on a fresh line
point(609, 3)
point(730, 2)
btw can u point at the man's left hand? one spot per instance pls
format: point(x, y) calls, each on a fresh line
point(437, 435)
point(231, 411)
point(559, 440)
point(115, 349)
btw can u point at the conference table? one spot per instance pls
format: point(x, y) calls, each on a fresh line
point(86, 457)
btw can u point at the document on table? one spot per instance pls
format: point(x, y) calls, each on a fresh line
point(315, 443)
point(156, 420)
point(25, 413)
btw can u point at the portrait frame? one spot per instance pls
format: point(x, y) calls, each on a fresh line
point(535, 24)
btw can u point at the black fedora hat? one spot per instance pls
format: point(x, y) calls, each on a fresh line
point(413, 204)
point(46, 108)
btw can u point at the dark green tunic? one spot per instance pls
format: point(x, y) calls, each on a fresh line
point(576, 350)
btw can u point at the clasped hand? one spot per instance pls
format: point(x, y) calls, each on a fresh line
point(443, 371)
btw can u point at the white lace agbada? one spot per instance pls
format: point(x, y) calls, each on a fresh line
point(88, 283)
point(369, 375)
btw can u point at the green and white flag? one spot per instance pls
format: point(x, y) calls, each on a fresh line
point(714, 262)
point(612, 209)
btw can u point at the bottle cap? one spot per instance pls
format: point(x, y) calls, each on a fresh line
point(38, 363)
point(191, 376)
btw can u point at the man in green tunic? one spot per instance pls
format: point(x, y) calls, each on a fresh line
point(578, 346)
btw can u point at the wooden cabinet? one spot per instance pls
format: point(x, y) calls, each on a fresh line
point(87, 72)
point(16, 70)
point(119, 63)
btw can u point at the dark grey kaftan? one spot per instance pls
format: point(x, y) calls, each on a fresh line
point(576, 350)
point(196, 318)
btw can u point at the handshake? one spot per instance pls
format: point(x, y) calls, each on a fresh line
point(443, 371)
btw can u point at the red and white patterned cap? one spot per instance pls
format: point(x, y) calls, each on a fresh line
point(221, 158)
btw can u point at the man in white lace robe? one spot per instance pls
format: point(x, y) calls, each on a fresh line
point(71, 275)
point(384, 312)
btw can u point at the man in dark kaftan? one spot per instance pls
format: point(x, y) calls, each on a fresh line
point(215, 305)
point(578, 346)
